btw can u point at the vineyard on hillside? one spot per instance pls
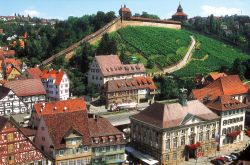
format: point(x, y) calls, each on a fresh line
point(209, 56)
point(162, 47)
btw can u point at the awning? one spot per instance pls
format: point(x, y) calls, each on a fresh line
point(143, 157)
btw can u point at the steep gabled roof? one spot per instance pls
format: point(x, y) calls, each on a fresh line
point(61, 106)
point(101, 127)
point(216, 75)
point(56, 74)
point(27, 87)
point(111, 65)
point(172, 115)
point(34, 72)
point(130, 84)
point(228, 85)
point(225, 103)
point(59, 124)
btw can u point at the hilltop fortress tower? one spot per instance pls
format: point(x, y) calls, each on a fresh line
point(180, 15)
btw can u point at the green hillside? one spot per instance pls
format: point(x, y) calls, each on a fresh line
point(161, 46)
point(210, 55)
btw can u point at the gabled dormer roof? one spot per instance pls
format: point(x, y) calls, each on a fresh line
point(225, 103)
point(59, 124)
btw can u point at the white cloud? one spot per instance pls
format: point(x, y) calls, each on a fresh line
point(32, 13)
point(219, 11)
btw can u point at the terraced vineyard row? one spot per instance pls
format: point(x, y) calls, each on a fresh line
point(163, 46)
point(212, 54)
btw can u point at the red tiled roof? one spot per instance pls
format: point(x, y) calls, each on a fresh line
point(34, 72)
point(59, 124)
point(228, 85)
point(130, 84)
point(28, 132)
point(216, 75)
point(180, 14)
point(27, 87)
point(71, 105)
point(101, 127)
point(172, 115)
point(224, 103)
point(57, 75)
point(111, 65)
point(125, 9)
point(7, 53)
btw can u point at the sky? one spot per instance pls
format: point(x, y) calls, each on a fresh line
point(62, 9)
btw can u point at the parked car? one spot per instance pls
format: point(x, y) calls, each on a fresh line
point(233, 157)
point(217, 162)
point(236, 154)
point(227, 158)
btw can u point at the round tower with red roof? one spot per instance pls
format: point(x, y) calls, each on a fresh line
point(180, 15)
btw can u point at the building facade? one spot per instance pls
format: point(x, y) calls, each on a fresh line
point(125, 12)
point(30, 91)
point(108, 144)
point(10, 103)
point(65, 137)
point(128, 92)
point(109, 67)
point(172, 133)
point(56, 84)
point(17, 148)
point(232, 122)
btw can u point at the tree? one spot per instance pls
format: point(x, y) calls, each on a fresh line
point(238, 68)
point(168, 88)
point(108, 45)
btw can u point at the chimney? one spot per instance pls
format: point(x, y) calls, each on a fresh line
point(183, 96)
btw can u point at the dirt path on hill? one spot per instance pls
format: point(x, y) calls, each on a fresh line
point(184, 61)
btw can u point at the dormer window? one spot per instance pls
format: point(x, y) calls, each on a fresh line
point(61, 152)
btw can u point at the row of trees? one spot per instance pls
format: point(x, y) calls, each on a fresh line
point(45, 40)
point(233, 29)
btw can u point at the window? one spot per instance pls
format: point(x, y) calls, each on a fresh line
point(175, 142)
point(241, 118)
point(174, 156)
point(207, 135)
point(10, 137)
point(85, 148)
point(183, 140)
point(8, 104)
point(168, 144)
point(213, 134)
point(61, 152)
point(192, 129)
point(10, 148)
point(11, 96)
point(43, 138)
point(200, 136)
point(183, 131)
